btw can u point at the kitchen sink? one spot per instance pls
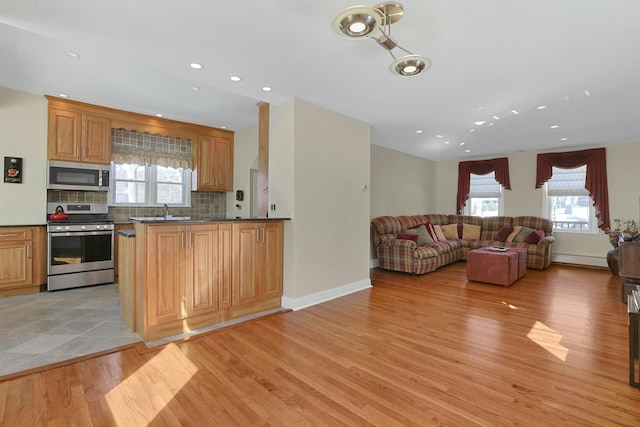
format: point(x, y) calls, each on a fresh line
point(160, 218)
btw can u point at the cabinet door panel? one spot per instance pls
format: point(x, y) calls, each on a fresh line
point(224, 265)
point(222, 163)
point(96, 139)
point(64, 135)
point(15, 263)
point(166, 272)
point(273, 246)
point(245, 274)
point(202, 269)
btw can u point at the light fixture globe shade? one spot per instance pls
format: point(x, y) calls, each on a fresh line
point(410, 65)
point(357, 22)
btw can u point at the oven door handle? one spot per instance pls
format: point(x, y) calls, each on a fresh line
point(80, 233)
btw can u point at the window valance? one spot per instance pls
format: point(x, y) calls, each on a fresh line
point(595, 181)
point(143, 148)
point(480, 167)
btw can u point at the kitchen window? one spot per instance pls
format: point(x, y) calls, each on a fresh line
point(149, 185)
point(149, 170)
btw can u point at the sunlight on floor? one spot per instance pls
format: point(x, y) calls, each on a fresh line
point(143, 395)
point(548, 339)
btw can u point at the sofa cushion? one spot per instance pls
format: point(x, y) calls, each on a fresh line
point(503, 233)
point(471, 232)
point(533, 238)
point(407, 236)
point(423, 235)
point(514, 233)
point(450, 231)
point(523, 234)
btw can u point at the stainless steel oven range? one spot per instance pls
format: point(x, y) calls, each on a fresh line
point(80, 246)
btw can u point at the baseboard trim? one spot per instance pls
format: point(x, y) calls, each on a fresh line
point(324, 296)
point(374, 263)
point(579, 260)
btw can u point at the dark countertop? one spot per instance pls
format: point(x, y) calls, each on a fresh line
point(126, 233)
point(161, 219)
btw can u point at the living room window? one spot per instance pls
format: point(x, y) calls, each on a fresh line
point(149, 185)
point(568, 203)
point(485, 196)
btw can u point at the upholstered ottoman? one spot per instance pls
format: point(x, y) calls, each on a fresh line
point(522, 261)
point(498, 268)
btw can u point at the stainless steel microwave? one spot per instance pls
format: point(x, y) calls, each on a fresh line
point(77, 176)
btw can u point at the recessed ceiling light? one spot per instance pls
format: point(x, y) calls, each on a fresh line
point(194, 88)
point(496, 117)
point(563, 139)
point(159, 115)
point(72, 54)
point(472, 130)
point(63, 95)
point(419, 131)
point(480, 123)
point(223, 127)
point(554, 126)
point(462, 143)
point(235, 78)
point(266, 89)
point(446, 142)
point(480, 108)
point(195, 66)
point(586, 92)
point(541, 107)
point(515, 112)
point(438, 136)
point(491, 124)
point(467, 151)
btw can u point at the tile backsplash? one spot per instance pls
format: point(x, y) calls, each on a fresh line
point(204, 205)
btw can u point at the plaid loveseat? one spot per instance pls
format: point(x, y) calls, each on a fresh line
point(405, 255)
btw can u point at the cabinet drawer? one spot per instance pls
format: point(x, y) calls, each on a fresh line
point(8, 233)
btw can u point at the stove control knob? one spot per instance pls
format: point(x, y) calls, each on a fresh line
point(98, 227)
point(58, 228)
point(67, 228)
point(82, 227)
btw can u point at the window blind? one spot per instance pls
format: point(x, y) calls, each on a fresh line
point(484, 186)
point(567, 182)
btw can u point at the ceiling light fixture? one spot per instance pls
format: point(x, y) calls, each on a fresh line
point(541, 107)
point(480, 123)
point(159, 115)
point(515, 112)
point(235, 78)
point(360, 22)
point(266, 89)
point(194, 88)
point(72, 54)
point(554, 126)
point(419, 131)
point(195, 66)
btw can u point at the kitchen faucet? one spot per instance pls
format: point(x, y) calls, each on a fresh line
point(166, 210)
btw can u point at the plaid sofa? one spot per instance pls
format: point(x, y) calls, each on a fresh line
point(405, 255)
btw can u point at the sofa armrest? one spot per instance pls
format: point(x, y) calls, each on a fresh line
point(547, 240)
point(401, 243)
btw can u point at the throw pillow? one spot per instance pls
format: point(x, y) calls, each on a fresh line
point(431, 230)
point(523, 234)
point(513, 234)
point(503, 233)
point(533, 238)
point(407, 236)
point(459, 230)
point(423, 235)
point(471, 232)
point(439, 233)
point(450, 231)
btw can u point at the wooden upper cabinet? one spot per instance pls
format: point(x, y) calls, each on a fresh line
point(75, 136)
point(213, 163)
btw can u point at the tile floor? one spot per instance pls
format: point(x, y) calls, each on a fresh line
point(39, 329)
point(48, 327)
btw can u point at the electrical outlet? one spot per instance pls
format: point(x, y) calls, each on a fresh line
point(273, 207)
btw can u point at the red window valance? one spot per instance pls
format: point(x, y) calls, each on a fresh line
point(596, 177)
point(480, 167)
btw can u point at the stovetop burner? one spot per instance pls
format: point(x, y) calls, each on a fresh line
point(79, 213)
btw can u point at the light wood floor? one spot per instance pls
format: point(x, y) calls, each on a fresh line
point(551, 350)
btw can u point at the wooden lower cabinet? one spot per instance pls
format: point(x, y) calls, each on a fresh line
point(184, 281)
point(22, 260)
point(187, 276)
point(257, 266)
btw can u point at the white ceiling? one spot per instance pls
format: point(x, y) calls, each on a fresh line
point(579, 58)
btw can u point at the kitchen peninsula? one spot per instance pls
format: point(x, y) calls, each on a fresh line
point(180, 274)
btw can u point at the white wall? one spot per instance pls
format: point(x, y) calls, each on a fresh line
point(23, 133)
point(317, 178)
point(524, 199)
point(245, 152)
point(401, 184)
